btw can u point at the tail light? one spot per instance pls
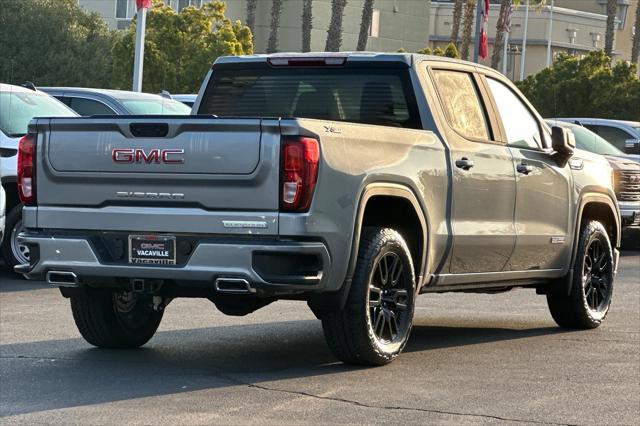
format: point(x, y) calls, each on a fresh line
point(298, 172)
point(26, 178)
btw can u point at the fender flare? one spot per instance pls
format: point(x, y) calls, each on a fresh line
point(338, 299)
point(586, 198)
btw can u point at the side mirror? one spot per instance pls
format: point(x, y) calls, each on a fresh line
point(563, 143)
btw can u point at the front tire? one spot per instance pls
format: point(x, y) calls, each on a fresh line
point(592, 288)
point(110, 319)
point(374, 326)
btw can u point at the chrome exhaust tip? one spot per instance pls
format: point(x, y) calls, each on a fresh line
point(62, 279)
point(233, 286)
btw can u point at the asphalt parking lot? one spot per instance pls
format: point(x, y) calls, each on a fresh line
point(471, 359)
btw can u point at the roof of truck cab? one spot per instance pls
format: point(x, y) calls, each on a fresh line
point(407, 58)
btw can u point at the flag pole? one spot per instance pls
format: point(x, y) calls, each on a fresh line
point(476, 48)
point(549, 35)
point(138, 61)
point(524, 41)
point(505, 53)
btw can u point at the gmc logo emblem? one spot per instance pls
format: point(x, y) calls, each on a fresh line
point(139, 155)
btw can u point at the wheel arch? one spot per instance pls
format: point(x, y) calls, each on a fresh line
point(369, 213)
point(599, 206)
point(371, 195)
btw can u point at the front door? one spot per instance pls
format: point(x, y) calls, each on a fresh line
point(483, 178)
point(543, 190)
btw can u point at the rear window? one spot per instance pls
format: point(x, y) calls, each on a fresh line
point(18, 108)
point(361, 95)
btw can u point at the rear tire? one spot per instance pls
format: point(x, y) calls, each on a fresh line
point(115, 319)
point(12, 252)
point(374, 326)
point(588, 303)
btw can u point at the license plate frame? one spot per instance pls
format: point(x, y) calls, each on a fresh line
point(158, 249)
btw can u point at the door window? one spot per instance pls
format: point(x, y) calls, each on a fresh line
point(461, 102)
point(88, 107)
point(613, 135)
point(521, 127)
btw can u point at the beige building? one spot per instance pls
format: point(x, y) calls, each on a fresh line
point(396, 23)
point(578, 27)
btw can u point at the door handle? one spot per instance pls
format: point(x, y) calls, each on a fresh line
point(524, 168)
point(464, 163)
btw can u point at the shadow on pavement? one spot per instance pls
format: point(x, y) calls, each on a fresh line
point(11, 282)
point(55, 374)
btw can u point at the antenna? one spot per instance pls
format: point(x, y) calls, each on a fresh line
point(29, 85)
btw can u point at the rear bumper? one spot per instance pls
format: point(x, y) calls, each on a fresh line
point(269, 266)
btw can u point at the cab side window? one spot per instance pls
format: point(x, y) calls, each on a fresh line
point(461, 103)
point(521, 127)
point(613, 135)
point(86, 107)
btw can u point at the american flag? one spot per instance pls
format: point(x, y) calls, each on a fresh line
point(484, 41)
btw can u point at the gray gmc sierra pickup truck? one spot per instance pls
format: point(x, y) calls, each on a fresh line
point(353, 182)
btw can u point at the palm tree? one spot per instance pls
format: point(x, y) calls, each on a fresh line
point(251, 14)
point(467, 24)
point(635, 50)
point(334, 33)
point(501, 28)
point(612, 9)
point(276, 10)
point(455, 26)
point(307, 24)
point(365, 24)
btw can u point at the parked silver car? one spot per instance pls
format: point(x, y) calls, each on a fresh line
point(624, 135)
point(626, 170)
point(18, 105)
point(88, 102)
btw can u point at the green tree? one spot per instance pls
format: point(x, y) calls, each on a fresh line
point(307, 24)
point(276, 11)
point(425, 51)
point(451, 51)
point(365, 24)
point(334, 33)
point(179, 47)
point(588, 87)
point(53, 42)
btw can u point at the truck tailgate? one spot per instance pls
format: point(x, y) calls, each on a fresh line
point(178, 174)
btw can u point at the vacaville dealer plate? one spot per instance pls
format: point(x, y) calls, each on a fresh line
point(152, 249)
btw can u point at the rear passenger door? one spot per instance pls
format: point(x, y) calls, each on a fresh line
point(483, 176)
point(543, 189)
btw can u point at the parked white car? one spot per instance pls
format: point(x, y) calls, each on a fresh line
point(18, 105)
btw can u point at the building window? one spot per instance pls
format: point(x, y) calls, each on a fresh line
point(182, 4)
point(374, 28)
point(122, 9)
